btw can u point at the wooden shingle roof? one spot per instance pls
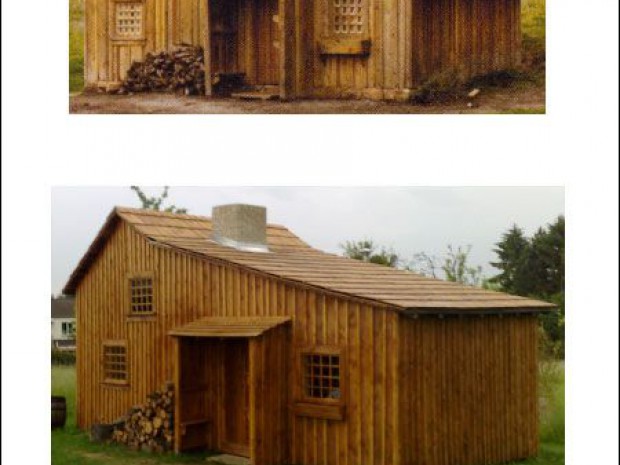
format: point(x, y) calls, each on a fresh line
point(292, 259)
point(229, 327)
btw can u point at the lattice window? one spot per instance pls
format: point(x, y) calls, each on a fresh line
point(348, 16)
point(141, 295)
point(129, 20)
point(115, 362)
point(321, 376)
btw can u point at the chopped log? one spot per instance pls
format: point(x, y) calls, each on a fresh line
point(148, 426)
point(181, 70)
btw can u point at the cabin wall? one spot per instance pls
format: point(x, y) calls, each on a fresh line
point(369, 336)
point(187, 288)
point(410, 42)
point(469, 37)
point(469, 389)
point(102, 314)
point(384, 73)
point(107, 58)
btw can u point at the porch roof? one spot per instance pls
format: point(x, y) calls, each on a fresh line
point(229, 326)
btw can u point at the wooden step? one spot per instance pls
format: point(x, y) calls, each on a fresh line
point(227, 459)
point(258, 93)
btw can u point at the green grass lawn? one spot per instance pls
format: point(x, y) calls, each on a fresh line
point(73, 447)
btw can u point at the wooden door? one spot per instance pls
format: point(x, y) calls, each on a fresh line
point(224, 32)
point(236, 398)
point(267, 42)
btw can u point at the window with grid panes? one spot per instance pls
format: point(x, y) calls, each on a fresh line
point(115, 363)
point(348, 17)
point(129, 20)
point(321, 376)
point(141, 295)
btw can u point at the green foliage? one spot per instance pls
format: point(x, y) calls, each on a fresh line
point(63, 384)
point(63, 357)
point(457, 269)
point(155, 203)
point(533, 19)
point(534, 267)
point(454, 264)
point(76, 45)
point(367, 251)
point(442, 87)
point(552, 405)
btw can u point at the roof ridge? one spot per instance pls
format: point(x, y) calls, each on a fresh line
point(159, 213)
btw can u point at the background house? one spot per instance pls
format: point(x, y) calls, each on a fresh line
point(63, 323)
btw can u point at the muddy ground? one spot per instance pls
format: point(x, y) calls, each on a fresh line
point(516, 99)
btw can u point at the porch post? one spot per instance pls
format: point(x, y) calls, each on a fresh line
point(207, 51)
point(177, 393)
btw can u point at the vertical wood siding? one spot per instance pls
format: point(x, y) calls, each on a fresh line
point(187, 288)
point(470, 37)
point(411, 41)
point(468, 390)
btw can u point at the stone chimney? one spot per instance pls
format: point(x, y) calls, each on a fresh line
point(241, 226)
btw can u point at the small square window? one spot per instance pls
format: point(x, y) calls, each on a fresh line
point(129, 20)
point(141, 295)
point(348, 16)
point(321, 376)
point(115, 362)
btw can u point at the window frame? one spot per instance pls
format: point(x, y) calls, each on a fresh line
point(322, 350)
point(331, 22)
point(114, 381)
point(114, 36)
point(67, 328)
point(130, 311)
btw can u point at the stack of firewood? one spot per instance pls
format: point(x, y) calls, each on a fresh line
point(181, 70)
point(149, 426)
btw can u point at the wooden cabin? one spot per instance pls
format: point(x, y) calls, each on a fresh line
point(286, 355)
point(378, 49)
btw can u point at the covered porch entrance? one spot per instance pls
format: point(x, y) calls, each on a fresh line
point(232, 385)
point(248, 46)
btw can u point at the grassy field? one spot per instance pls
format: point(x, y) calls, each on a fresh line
point(72, 447)
point(532, 22)
point(76, 45)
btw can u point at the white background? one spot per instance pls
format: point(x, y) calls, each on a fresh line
point(574, 145)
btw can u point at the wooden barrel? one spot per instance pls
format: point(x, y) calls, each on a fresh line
point(59, 411)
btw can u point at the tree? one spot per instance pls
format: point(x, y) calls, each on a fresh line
point(511, 252)
point(534, 268)
point(457, 269)
point(367, 251)
point(454, 265)
point(155, 203)
point(424, 264)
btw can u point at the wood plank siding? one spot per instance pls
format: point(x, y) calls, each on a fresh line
point(336, 361)
point(187, 288)
point(284, 42)
point(468, 389)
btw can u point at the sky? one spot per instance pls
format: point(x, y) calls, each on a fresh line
point(407, 219)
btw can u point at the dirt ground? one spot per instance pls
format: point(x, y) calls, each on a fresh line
point(522, 99)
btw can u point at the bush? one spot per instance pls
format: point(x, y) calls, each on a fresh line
point(448, 86)
point(533, 19)
point(63, 357)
